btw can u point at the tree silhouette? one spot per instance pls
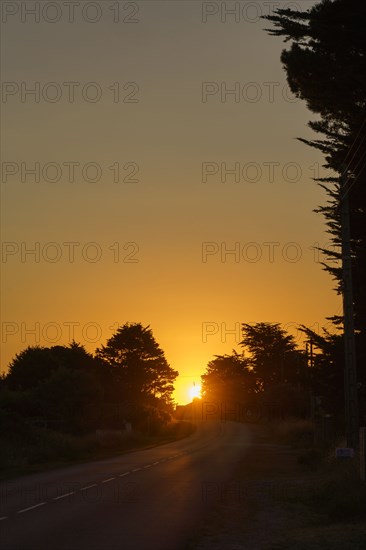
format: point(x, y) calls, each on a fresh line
point(30, 367)
point(62, 385)
point(327, 370)
point(273, 354)
point(326, 67)
point(70, 400)
point(228, 379)
point(35, 364)
point(140, 371)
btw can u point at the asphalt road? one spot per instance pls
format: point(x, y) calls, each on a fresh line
point(151, 499)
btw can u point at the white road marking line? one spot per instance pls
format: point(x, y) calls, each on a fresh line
point(31, 508)
point(108, 480)
point(90, 486)
point(64, 496)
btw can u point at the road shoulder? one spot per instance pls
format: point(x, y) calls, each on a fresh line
point(263, 506)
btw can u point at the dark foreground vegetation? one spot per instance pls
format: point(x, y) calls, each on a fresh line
point(287, 493)
point(62, 403)
point(272, 378)
point(27, 448)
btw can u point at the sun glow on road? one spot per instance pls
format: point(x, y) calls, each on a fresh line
point(195, 392)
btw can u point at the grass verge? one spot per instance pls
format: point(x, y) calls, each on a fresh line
point(288, 495)
point(36, 449)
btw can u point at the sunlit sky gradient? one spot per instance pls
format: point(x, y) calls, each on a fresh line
point(169, 212)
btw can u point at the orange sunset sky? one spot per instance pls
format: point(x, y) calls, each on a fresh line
point(171, 191)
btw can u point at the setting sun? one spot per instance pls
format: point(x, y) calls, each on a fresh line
point(195, 392)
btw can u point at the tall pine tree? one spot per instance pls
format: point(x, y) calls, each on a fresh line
point(326, 67)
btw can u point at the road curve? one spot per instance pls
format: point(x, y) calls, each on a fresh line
point(150, 499)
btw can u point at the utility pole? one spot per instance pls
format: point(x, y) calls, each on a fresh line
point(350, 370)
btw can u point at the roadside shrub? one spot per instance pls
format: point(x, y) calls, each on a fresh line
point(311, 459)
point(295, 432)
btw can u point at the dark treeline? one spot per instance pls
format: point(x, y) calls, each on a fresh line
point(67, 389)
point(271, 377)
